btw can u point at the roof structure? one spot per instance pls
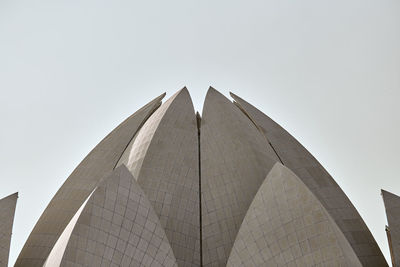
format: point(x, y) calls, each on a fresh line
point(392, 206)
point(231, 187)
point(7, 211)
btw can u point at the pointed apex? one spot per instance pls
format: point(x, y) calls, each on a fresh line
point(180, 94)
point(214, 96)
point(122, 169)
point(184, 90)
point(392, 207)
point(212, 91)
point(7, 212)
point(153, 104)
point(233, 95)
point(386, 194)
point(157, 99)
point(390, 200)
point(238, 98)
point(15, 195)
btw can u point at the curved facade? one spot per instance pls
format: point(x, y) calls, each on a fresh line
point(171, 188)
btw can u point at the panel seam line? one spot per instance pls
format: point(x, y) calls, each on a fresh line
point(198, 120)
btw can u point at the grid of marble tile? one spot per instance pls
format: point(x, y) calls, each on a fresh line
point(287, 226)
point(235, 159)
point(118, 227)
point(7, 210)
point(165, 158)
point(78, 186)
point(392, 206)
point(323, 186)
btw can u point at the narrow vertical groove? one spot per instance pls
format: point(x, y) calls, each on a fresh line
point(273, 148)
point(389, 238)
point(198, 119)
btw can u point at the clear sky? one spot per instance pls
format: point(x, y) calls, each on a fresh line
point(327, 71)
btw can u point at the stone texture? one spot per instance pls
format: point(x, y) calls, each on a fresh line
point(286, 225)
point(7, 211)
point(101, 160)
point(164, 158)
point(294, 156)
point(228, 188)
point(118, 227)
point(392, 206)
point(235, 159)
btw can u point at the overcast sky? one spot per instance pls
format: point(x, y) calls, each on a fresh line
point(327, 71)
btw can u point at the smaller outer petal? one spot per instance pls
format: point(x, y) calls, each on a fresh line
point(392, 206)
point(7, 211)
point(118, 227)
point(286, 225)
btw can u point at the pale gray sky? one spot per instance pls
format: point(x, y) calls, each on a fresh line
point(327, 71)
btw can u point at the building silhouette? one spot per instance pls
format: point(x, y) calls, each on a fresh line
point(392, 206)
point(230, 187)
point(7, 211)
